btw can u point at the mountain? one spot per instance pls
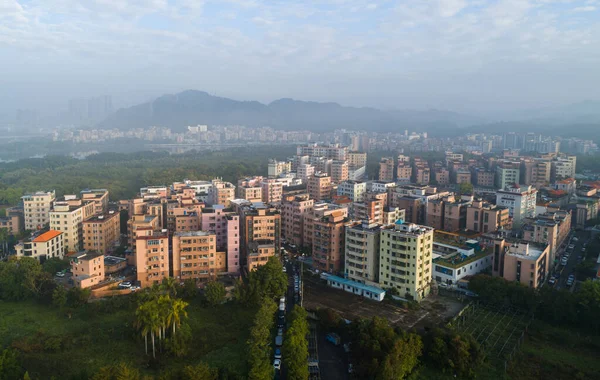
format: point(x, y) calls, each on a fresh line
point(196, 107)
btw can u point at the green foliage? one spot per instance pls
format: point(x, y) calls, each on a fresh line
point(259, 345)
point(295, 345)
point(554, 306)
point(10, 367)
point(77, 297)
point(20, 278)
point(54, 264)
point(179, 344)
point(379, 352)
point(189, 290)
point(200, 371)
point(59, 297)
point(465, 188)
point(453, 353)
point(214, 293)
point(121, 371)
point(329, 318)
point(266, 281)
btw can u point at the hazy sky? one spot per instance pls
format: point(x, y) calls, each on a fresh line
point(465, 55)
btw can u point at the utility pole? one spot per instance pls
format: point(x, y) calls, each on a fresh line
point(301, 283)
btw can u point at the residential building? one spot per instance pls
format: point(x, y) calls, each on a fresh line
point(99, 197)
point(11, 224)
point(195, 256)
point(357, 159)
point(484, 178)
point(261, 233)
point(441, 175)
point(404, 173)
point(463, 176)
point(405, 256)
point(354, 190)
point(520, 201)
point(339, 171)
point(87, 268)
point(370, 210)
point(272, 191)
point(275, 168)
point(293, 210)
point(386, 169)
point(305, 171)
point(421, 175)
point(448, 213)
point(392, 214)
point(485, 217)
point(332, 151)
point(36, 208)
point(44, 246)
point(250, 189)
point(522, 262)
point(67, 216)
point(551, 228)
point(328, 241)
point(102, 232)
point(507, 174)
point(225, 223)
point(221, 193)
point(361, 260)
point(319, 187)
point(151, 256)
point(563, 167)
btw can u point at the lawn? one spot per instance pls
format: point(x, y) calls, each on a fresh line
point(52, 344)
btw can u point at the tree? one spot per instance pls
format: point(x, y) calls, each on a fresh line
point(77, 297)
point(267, 280)
point(200, 371)
point(214, 293)
point(295, 345)
point(54, 264)
point(20, 278)
point(121, 371)
point(169, 285)
point(10, 368)
point(402, 358)
point(189, 290)
point(371, 341)
point(465, 188)
point(457, 354)
point(59, 297)
point(259, 343)
point(178, 344)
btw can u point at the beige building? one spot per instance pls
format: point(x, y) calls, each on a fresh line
point(102, 232)
point(42, 247)
point(195, 256)
point(99, 197)
point(485, 178)
point(526, 263)
point(484, 217)
point(405, 259)
point(262, 234)
point(369, 210)
point(404, 173)
point(293, 210)
point(67, 216)
point(386, 169)
point(275, 168)
point(87, 268)
point(551, 228)
point(221, 193)
point(361, 259)
point(319, 187)
point(442, 176)
point(151, 256)
point(329, 241)
point(357, 159)
point(11, 223)
point(339, 171)
point(272, 191)
point(36, 208)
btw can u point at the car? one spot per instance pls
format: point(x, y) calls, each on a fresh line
point(284, 269)
point(134, 288)
point(571, 246)
point(350, 368)
point(583, 249)
point(277, 364)
point(60, 274)
point(280, 331)
point(552, 281)
point(575, 238)
point(125, 285)
point(346, 347)
point(277, 353)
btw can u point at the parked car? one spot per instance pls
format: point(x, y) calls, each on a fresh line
point(125, 285)
point(552, 281)
point(277, 364)
point(60, 274)
point(350, 368)
point(583, 249)
point(570, 280)
point(277, 353)
point(333, 338)
point(575, 238)
point(280, 331)
point(278, 341)
point(284, 269)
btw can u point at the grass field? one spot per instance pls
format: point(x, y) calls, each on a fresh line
point(54, 345)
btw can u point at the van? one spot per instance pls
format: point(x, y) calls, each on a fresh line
point(282, 306)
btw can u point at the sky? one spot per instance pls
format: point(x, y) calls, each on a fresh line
point(472, 56)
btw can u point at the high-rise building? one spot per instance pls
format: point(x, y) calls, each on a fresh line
point(362, 252)
point(305, 171)
point(405, 255)
point(507, 173)
point(484, 217)
point(333, 151)
point(275, 168)
point(563, 167)
point(357, 159)
point(354, 190)
point(262, 234)
point(99, 197)
point(195, 256)
point(67, 216)
point(319, 187)
point(36, 208)
point(329, 241)
point(272, 191)
point(339, 171)
point(221, 193)
point(102, 232)
point(225, 223)
point(151, 256)
point(250, 189)
point(520, 201)
point(404, 173)
point(293, 210)
point(386, 169)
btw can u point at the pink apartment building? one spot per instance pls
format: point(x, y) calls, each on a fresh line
point(87, 268)
point(226, 225)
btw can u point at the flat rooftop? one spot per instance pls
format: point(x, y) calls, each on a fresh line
point(458, 260)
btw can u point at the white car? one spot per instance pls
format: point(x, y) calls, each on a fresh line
point(277, 364)
point(125, 285)
point(280, 331)
point(60, 274)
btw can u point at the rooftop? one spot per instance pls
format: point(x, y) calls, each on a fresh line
point(47, 236)
point(347, 282)
point(193, 233)
point(85, 255)
point(101, 218)
point(458, 260)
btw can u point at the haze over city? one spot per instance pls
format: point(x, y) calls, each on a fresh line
point(478, 57)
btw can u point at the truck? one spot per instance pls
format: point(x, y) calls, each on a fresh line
point(279, 341)
point(334, 338)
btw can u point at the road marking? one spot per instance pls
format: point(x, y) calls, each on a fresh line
point(417, 321)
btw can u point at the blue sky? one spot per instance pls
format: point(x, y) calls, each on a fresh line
point(466, 55)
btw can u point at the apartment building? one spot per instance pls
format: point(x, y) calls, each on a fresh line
point(221, 193)
point(392, 214)
point(354, 190)
point(293, 210)
point(454, 261)
point(386, 169)
point(357, 159)
point(361, 260)
point(422, 175)
point(102, 232)
point(99, 197)
point(195, 256)
point(485, 217)
point(405, 256)
point(319, 187)
point(520, 201)
point(135, 223)
point(332, 151)
point(441, 175)
point(305, 171)
point(522, 262)
point(261, 233)
point(369, 210)
point(404, 173)
point(67, 216)
point(44, 246)
point(448, 213)
point(272, 191)
point(339, 171)
point(463, 176)
point(36, 209)
point(87, 268)
point(563, 167)
point(551, 228)
point(484, 178)
point(225, 223)
point(151, 256)
point(11, 223)
point(507, 173)
point(275, 168)
point(328, 241)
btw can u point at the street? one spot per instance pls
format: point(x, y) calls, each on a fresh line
point(583, 237)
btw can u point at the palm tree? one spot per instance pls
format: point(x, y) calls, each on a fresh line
point(177, 310)
point(169, 284)
point(153, 324)
point(142, 322)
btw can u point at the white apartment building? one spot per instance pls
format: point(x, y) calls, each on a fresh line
point(36, 208)
point(520, 201)
point(67, 217)
point(42, 247)
point(354, 190)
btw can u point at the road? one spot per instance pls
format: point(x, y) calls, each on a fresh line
point(583, 237)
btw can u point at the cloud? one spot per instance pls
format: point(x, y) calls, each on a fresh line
point(449, 8)
point(588, 8)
